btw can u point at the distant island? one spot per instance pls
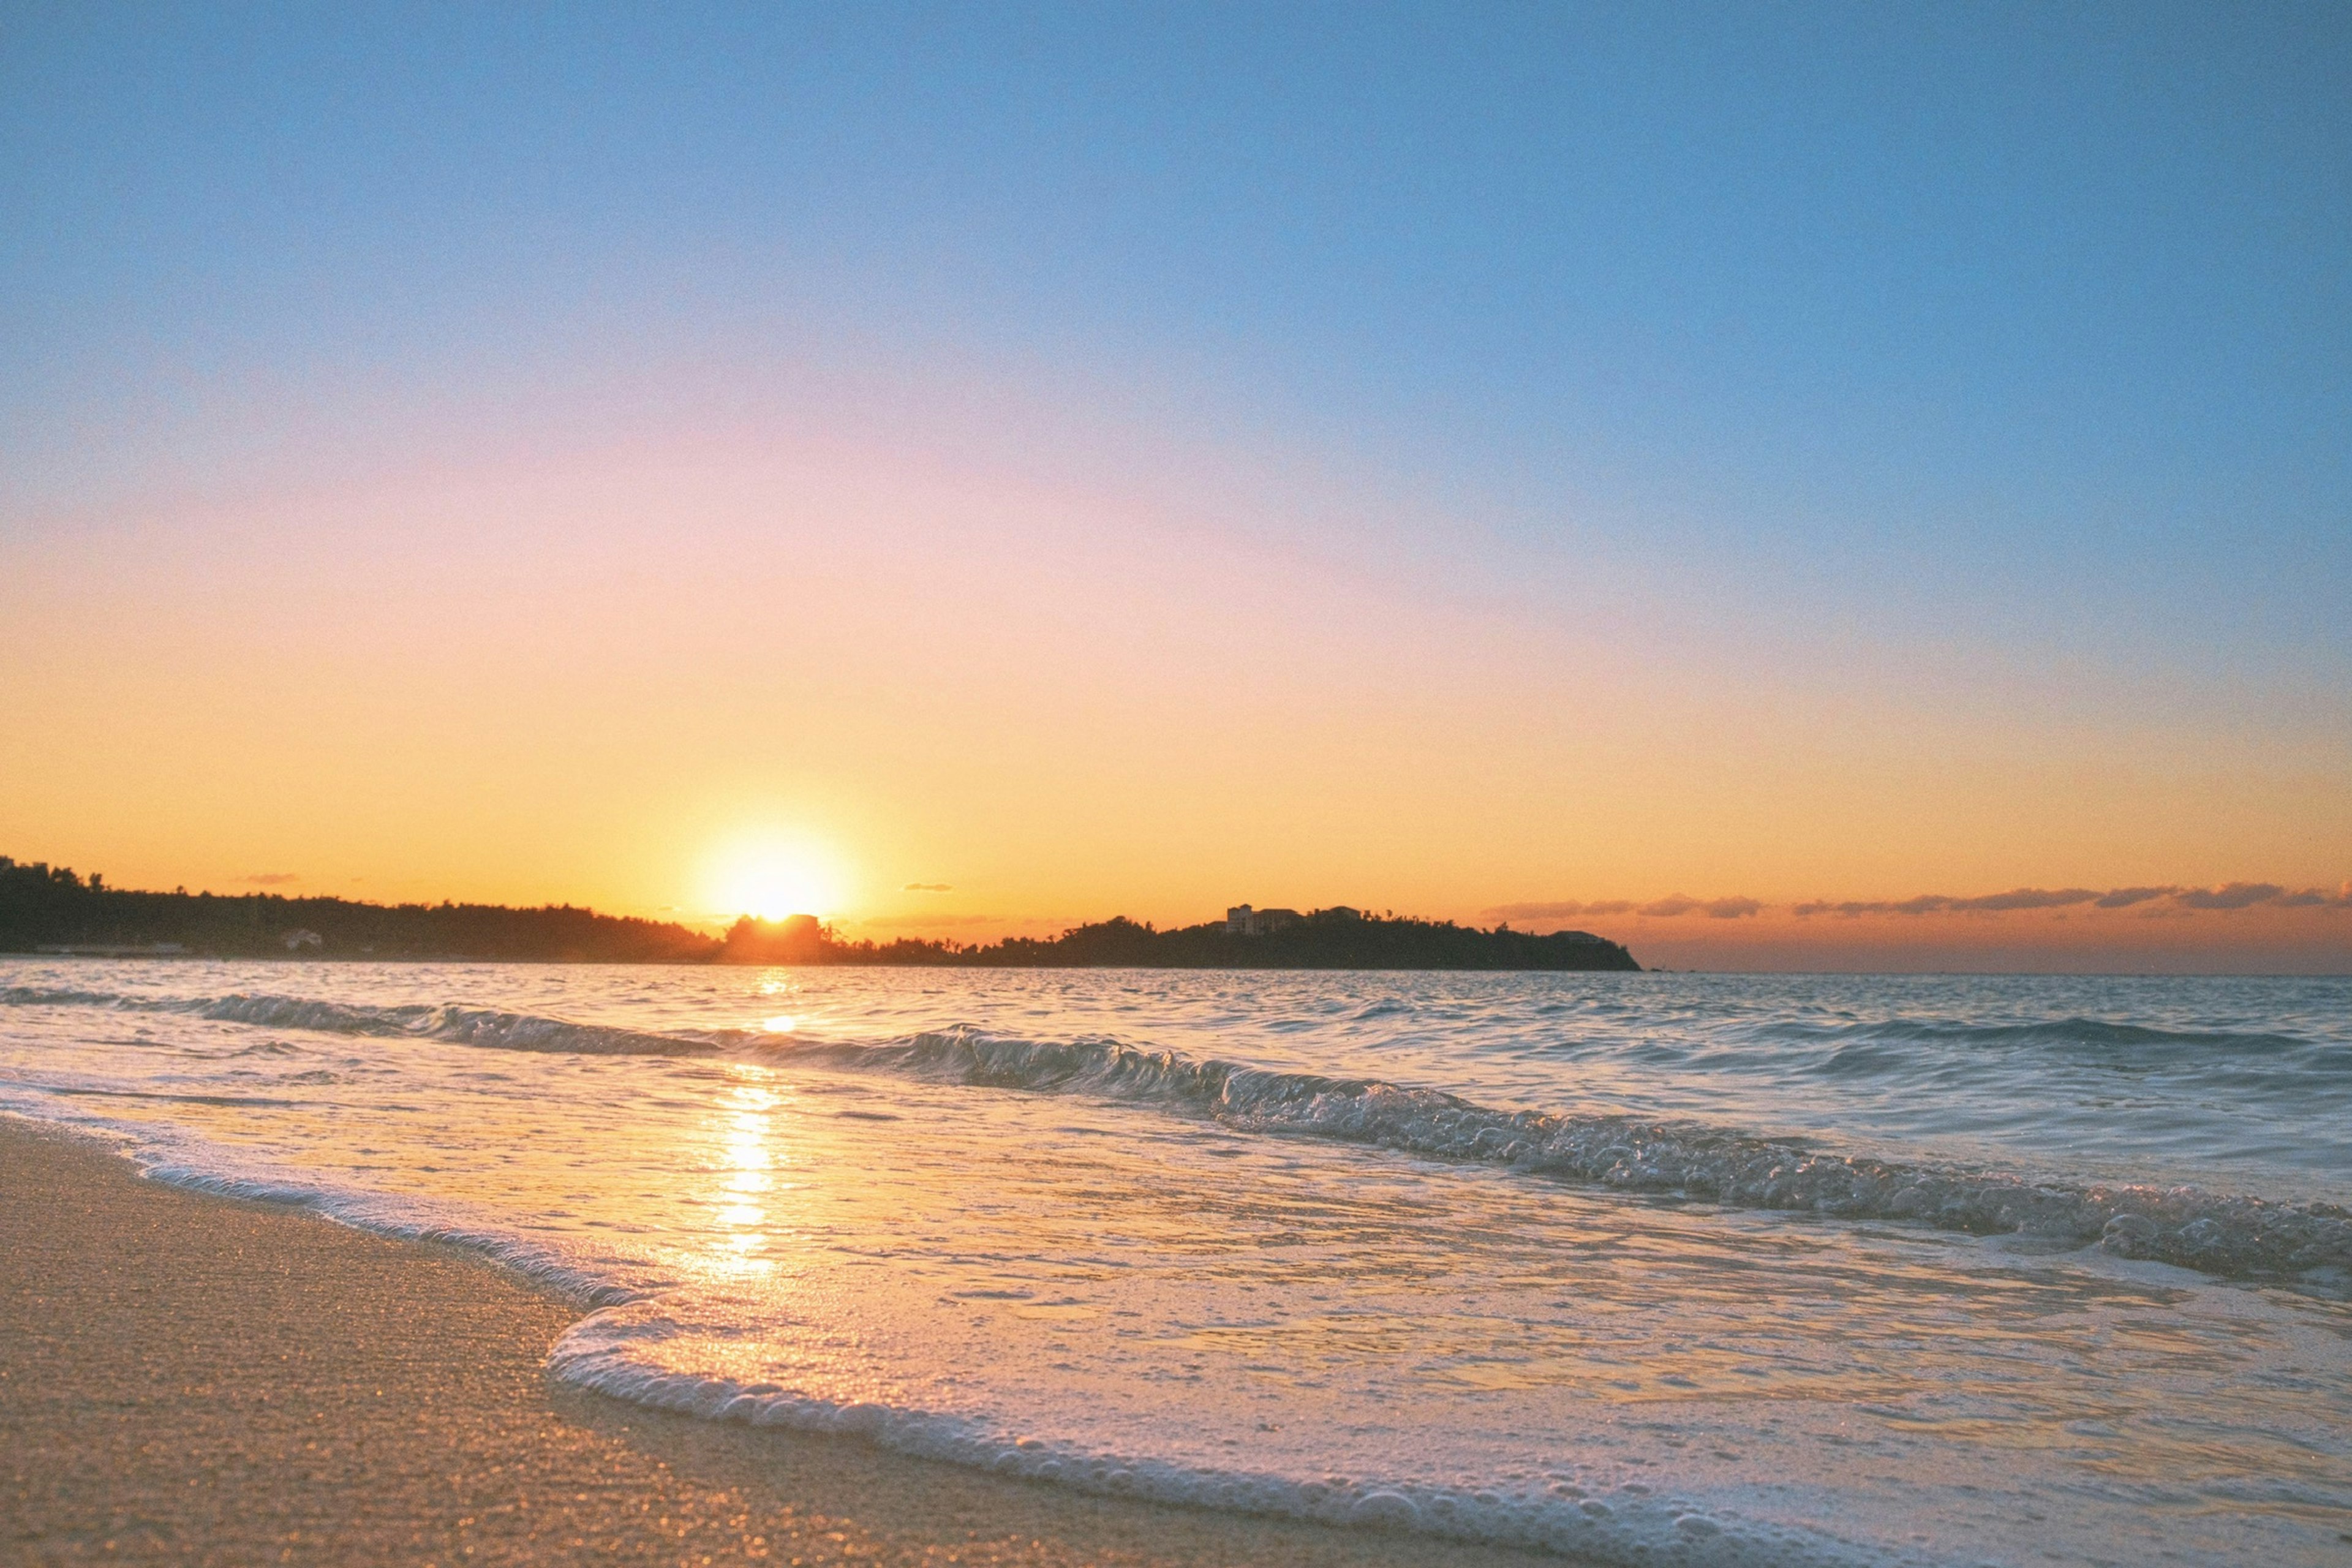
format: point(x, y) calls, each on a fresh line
point(45, 909)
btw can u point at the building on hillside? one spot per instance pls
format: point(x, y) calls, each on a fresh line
point(1244, 920)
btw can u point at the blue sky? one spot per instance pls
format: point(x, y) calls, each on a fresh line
point(1833, 274)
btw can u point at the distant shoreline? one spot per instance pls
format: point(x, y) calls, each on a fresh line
point(291, 960)
point(46, 908)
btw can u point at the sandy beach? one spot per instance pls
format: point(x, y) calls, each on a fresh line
point(191, 1379)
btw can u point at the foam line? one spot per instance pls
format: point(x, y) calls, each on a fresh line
point(1626, 1525)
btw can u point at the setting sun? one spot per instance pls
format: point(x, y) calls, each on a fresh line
point(772, 879)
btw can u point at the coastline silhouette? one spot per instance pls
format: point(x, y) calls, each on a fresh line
point(53, 910)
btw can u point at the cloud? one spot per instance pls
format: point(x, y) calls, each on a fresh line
point(2174, 900)
point(1712, 909)
point(1945, 904)
point(928, 888)
point(1926, 904)
point(271, 878)
point(2229, 896)
point(1564, 908)
point(1550, 911)
point(1558, 910)
point(2029, 899)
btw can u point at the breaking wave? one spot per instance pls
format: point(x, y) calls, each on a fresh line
point(2215, 1233)
point(2222, 1234)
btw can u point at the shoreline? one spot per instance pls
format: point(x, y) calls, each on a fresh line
point(131, 956)
point(191, 1378)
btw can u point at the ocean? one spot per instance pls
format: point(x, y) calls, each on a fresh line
point(1644, 1269)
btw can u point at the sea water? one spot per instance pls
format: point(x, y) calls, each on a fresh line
point(1638, 1268)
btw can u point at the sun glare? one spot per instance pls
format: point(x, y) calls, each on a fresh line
point(770, 881)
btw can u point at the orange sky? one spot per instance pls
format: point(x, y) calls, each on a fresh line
point(939, 698)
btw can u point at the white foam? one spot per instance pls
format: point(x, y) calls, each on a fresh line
point(606, 1353)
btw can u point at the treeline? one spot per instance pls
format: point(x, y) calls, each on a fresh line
point(44, 907)
point(1325, 938)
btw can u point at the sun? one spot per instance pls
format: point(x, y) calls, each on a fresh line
point(771, 879)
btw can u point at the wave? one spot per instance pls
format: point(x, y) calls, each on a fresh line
point(2221, 1233)
point(2140, 1043)
point(2229, 1235)
point(486, 1027)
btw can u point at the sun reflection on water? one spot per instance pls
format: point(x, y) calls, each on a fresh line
point(748, 1156)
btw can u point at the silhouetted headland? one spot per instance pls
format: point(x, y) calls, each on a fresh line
point(1323, 939)
point(45, 909)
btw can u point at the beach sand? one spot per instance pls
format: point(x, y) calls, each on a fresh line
point(192, 1379)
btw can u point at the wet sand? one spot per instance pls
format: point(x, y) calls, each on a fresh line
point(196, 1380)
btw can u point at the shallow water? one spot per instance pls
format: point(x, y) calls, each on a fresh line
point(1663, 1269)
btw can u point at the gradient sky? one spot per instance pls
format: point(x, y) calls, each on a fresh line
point(979, 468)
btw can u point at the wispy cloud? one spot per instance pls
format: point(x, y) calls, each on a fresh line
point(1657, 909)
point(2029, 899)
point(1944, 903)
point(271, 878)
point(2228, 896)
point(1556, 910)
point(928, 888)
point(1712, 909)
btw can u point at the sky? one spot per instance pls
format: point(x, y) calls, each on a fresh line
point(1781, 486)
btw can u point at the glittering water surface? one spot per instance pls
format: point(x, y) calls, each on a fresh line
point(1657, 1268)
